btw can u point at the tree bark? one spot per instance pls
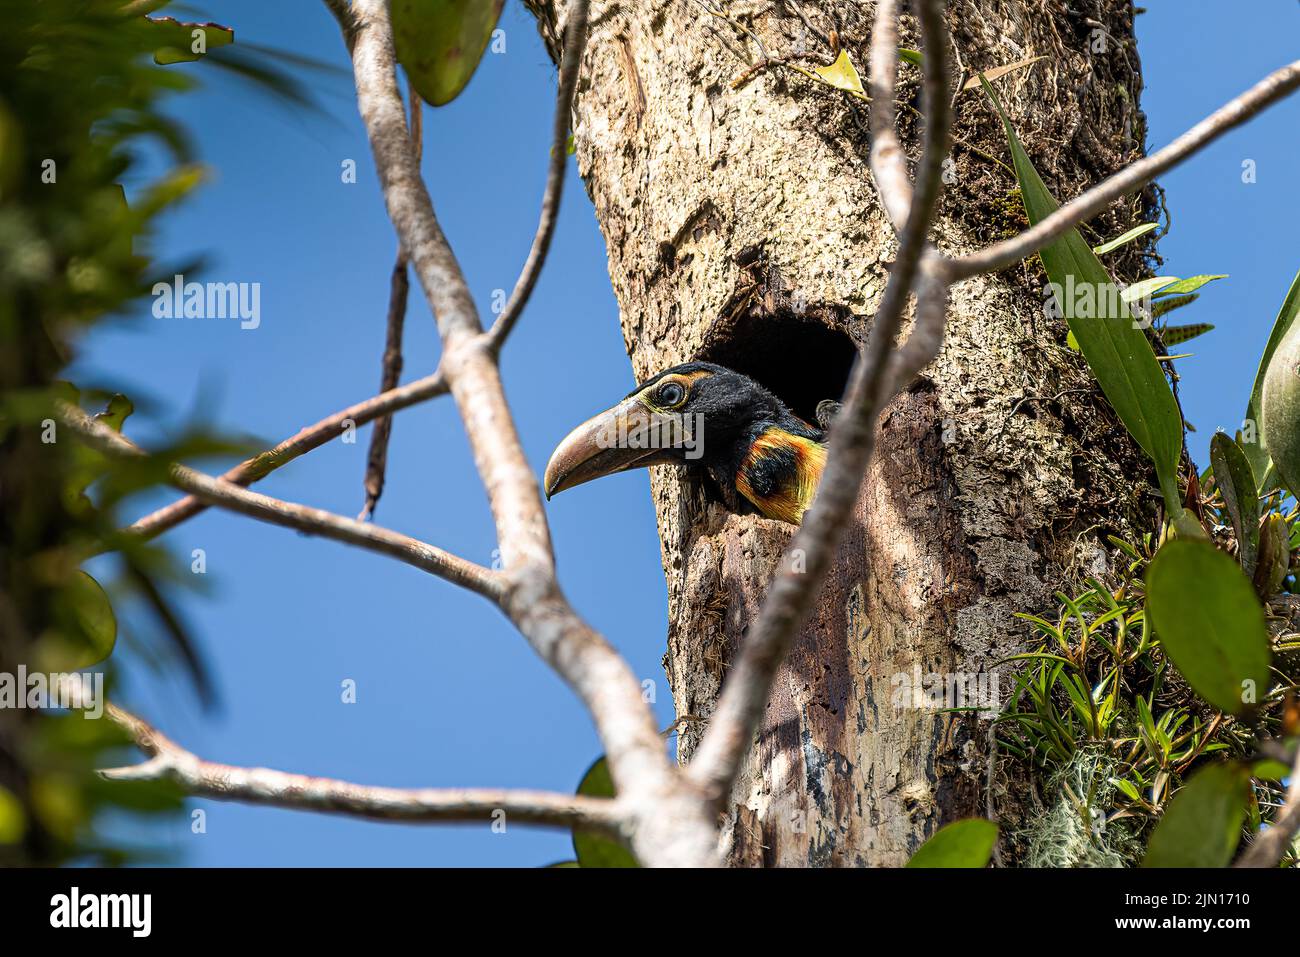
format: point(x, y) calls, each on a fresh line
point(743, 227)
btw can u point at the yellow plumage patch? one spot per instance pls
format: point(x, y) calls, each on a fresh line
point(795, 493)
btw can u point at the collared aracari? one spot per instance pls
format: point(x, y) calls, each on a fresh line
point(762, 456)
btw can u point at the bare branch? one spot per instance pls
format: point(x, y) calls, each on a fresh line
point(575, 40)
point(377, 455)
point(292, 515)
point(224, 782)
point(888, 164)
point(792, 593)
point(1268, 91)
point(409, 206)
point(311, 437)
point(398, 287)
point(926, 338)
point(343, 13)
point(670, 825)
point(1271, 844)
point(467, 360)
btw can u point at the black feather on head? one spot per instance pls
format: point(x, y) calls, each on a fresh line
point(734, 411)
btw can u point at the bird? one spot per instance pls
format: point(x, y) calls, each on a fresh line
point(762, 456)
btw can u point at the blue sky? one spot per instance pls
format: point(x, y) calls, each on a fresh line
point(447, 692)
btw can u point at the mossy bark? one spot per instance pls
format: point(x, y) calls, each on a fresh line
point(742, 225)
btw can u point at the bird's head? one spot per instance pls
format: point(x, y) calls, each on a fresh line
point(697, 414)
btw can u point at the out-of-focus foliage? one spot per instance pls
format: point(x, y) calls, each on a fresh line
point(1202, 826)
point(79, 92)
point(440, 43)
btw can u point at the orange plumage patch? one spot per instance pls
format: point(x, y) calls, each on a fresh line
point(780, 473)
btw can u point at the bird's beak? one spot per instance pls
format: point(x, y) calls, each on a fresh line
point(628, 436)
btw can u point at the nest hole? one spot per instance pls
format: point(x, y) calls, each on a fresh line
point(799, 360)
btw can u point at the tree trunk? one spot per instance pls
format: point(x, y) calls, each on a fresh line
point(743, 227)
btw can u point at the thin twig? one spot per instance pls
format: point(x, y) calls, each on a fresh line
point(398, 287)
point(575, 40)
point(169, 761)
point(808, 24)
point(737, 25)
point(316, 521)
point(305, 440)
point(1082, 208)
point(391, 371)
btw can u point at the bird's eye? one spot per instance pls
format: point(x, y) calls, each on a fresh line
point(671, 394)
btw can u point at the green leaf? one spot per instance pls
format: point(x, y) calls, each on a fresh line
point(166, 191)
point(1124, 238)
point(440, 42)
point(1206, 615)
point(1257, 451)
point(1118, 353)
point(1268, 769)
point(1236, 481)
point(910, 56)
point(88, 629)
point(1184, 287)
point(1202, 825)
point(1144, 717)
point(1128, 788)
point(1280, 412)
point(1162, 306)
point(95, 613)
point(570, 146)
point(13, 820)
point(592, 850)
point(115, 415)
point(1173, 335)
point(186, 42)
point(967, 843)
point(1144, 288)
point(842, 75)
point(1038, 656)
point(1274, 559)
